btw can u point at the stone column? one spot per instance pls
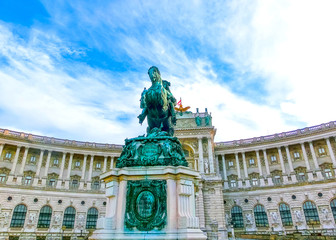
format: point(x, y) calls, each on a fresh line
point(217, 166)
point(331, 152)
point(39, 164)
point(47, 164)
point(105, 163)
point(112, 158)
point(24, 159)
point(211, 159)
point(261, 178)
point(69, 166)
point(226, 184)
point(60, 177)
point(90, 172)
point(247, 181)
point(82, 180)
point(305, 157)
point(67, 179)
point(281, 161)
point(1, 149)
point(290, 163)
point(240, 183)
point(269, 179)
point(200, 158)
point(38, 169)
point(317, 167)
point(284, 176)
point(12, 172)
point(46, 169)
point(84, 168)
point(15, 160)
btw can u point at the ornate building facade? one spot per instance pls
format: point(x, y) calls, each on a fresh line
point(50, 187)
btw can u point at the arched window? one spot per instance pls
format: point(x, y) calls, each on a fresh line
point(69, 217)
point(260, 216)
point(285, 213)
point(19, 216)
point(333, 208)
point(310, 213)
point(44, 217)
point(237, 217)
point(91, 219)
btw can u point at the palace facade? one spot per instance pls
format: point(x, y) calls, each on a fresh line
point(282, 182)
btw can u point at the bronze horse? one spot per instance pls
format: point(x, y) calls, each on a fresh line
point(158, 104)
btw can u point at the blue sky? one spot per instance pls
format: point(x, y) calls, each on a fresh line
point(76, 69)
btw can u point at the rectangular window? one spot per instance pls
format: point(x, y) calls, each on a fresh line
point(96, 185)
point(77, 164)
point(321, 151)
point(8, 155)
point(55, 162)
point(98, 165)
point(327, 173)
point(273, 158)
point(28, 180)
point(251, 161)
point(2, 178)
point(255, 182)
point(230, 164)
point(52, 182)
point(233, 184)
point(301, 177)
point(296, 155)
point(277, 180)
point(74, 184)
point(32, 159)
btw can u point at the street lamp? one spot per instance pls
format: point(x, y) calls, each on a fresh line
point(232, 230)
point(63, 229)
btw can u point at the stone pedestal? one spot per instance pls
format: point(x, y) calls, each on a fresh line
point(164, 199)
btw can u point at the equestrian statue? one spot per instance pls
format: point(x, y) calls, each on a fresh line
point(158, 104)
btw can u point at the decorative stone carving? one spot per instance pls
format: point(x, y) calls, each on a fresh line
point(146, 206)
point(31, 220)
point(206, 165)
point(157, 149)
point(298, 216)
point(4, 219)
point(57, 218)
point(81, 221)
point(249, 219)
point(275, 218)
point(325, 214)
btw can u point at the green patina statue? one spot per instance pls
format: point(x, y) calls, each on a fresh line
point(159, 147)
point(158, 104)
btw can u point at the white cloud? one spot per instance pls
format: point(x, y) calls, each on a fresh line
point(43, 98)
point(287, 45)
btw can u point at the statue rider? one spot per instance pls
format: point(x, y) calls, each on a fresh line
point(158, 104)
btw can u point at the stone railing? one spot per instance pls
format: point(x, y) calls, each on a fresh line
point(56, 141)
point(279, 136)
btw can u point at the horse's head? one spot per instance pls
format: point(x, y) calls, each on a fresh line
point(154, 75)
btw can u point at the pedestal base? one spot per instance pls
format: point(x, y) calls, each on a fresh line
point(193, 234)
point(164, 193)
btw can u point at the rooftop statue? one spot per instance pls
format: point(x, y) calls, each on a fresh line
point(158, 104)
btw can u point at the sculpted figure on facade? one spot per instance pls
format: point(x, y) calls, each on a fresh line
point(298, 216)
point(325, 214)
point(206, 166)
point(81, 221)
point(57, 218)
point(158, 104)
point(275, 218)
point(4, 219)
